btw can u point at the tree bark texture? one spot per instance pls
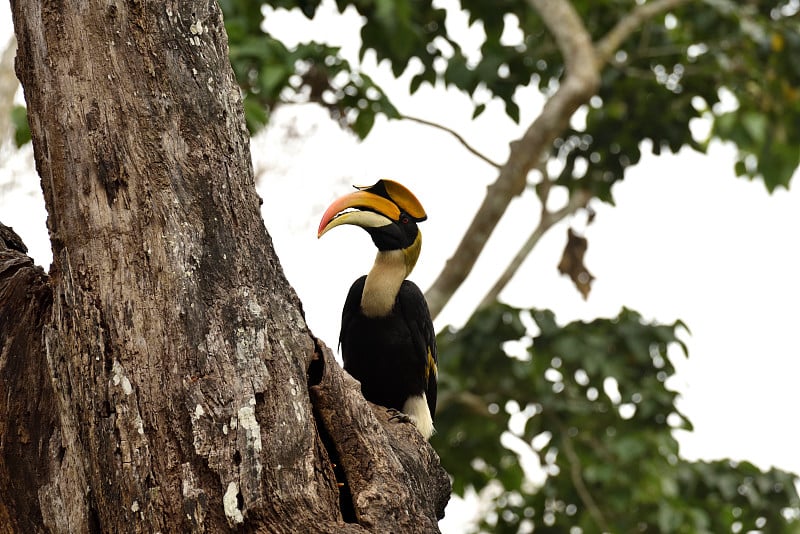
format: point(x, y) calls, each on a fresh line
point(158, 378)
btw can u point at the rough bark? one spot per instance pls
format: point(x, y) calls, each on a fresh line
point(28, 411)
point(377, 482)
point(157, 380)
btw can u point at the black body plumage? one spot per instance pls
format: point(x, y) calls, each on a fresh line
point(394, 356)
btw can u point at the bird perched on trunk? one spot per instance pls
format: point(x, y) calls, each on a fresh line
point(387, 338)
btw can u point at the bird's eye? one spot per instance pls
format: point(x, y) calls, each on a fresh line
point(404, 220)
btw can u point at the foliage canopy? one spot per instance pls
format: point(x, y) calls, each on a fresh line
point(588, 406)
point(669, 72)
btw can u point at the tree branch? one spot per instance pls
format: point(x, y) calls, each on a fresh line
point(582, 63)
point(608, 45)
point(571, 36)
point(578, 85)
point(576, 475)
point(548, 219)
point(455, 134)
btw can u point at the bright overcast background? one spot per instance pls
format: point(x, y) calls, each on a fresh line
point(687, 240)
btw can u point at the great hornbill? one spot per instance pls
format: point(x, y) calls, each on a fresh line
point(387, 338)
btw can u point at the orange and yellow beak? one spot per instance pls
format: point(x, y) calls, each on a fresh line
point(377, 205)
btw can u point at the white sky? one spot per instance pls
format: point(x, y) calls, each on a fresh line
point(686, 240)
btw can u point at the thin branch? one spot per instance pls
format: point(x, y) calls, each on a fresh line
point(548, 219)
point(576, 474)
point(472, 402)
point(455, 134)
point(608, 45)
point(580, 82)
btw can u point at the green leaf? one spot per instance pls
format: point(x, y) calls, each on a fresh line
point(512, 110)
point(255, 114)
point(756, 125)
point(459, 75)
point(739, 168)
point(19, 118)
point(416, 81)
point(274, 77)
point(364, 123)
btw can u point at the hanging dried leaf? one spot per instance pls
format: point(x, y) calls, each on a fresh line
point(572, 265)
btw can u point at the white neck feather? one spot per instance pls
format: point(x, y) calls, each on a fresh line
point(383, 282)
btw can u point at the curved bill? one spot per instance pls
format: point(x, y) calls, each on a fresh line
point(364, 219)
point(381, 212)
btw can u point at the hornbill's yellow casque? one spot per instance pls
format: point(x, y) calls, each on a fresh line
point(387, 338)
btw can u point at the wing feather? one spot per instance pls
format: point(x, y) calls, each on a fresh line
point(418, 316)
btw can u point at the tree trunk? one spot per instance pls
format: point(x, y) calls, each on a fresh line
point(162, 377)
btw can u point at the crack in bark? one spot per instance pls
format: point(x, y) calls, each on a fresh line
point(316, 370)
point(346, 508)
point(388, 466)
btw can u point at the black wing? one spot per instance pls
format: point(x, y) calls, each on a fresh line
point(418, 316)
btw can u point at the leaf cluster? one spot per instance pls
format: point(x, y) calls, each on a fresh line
point(590, 416)
point(762, 69)
point(270, 73)
point(670, 73)
point(666, 75)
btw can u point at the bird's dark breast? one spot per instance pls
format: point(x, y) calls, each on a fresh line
point(387, 354)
